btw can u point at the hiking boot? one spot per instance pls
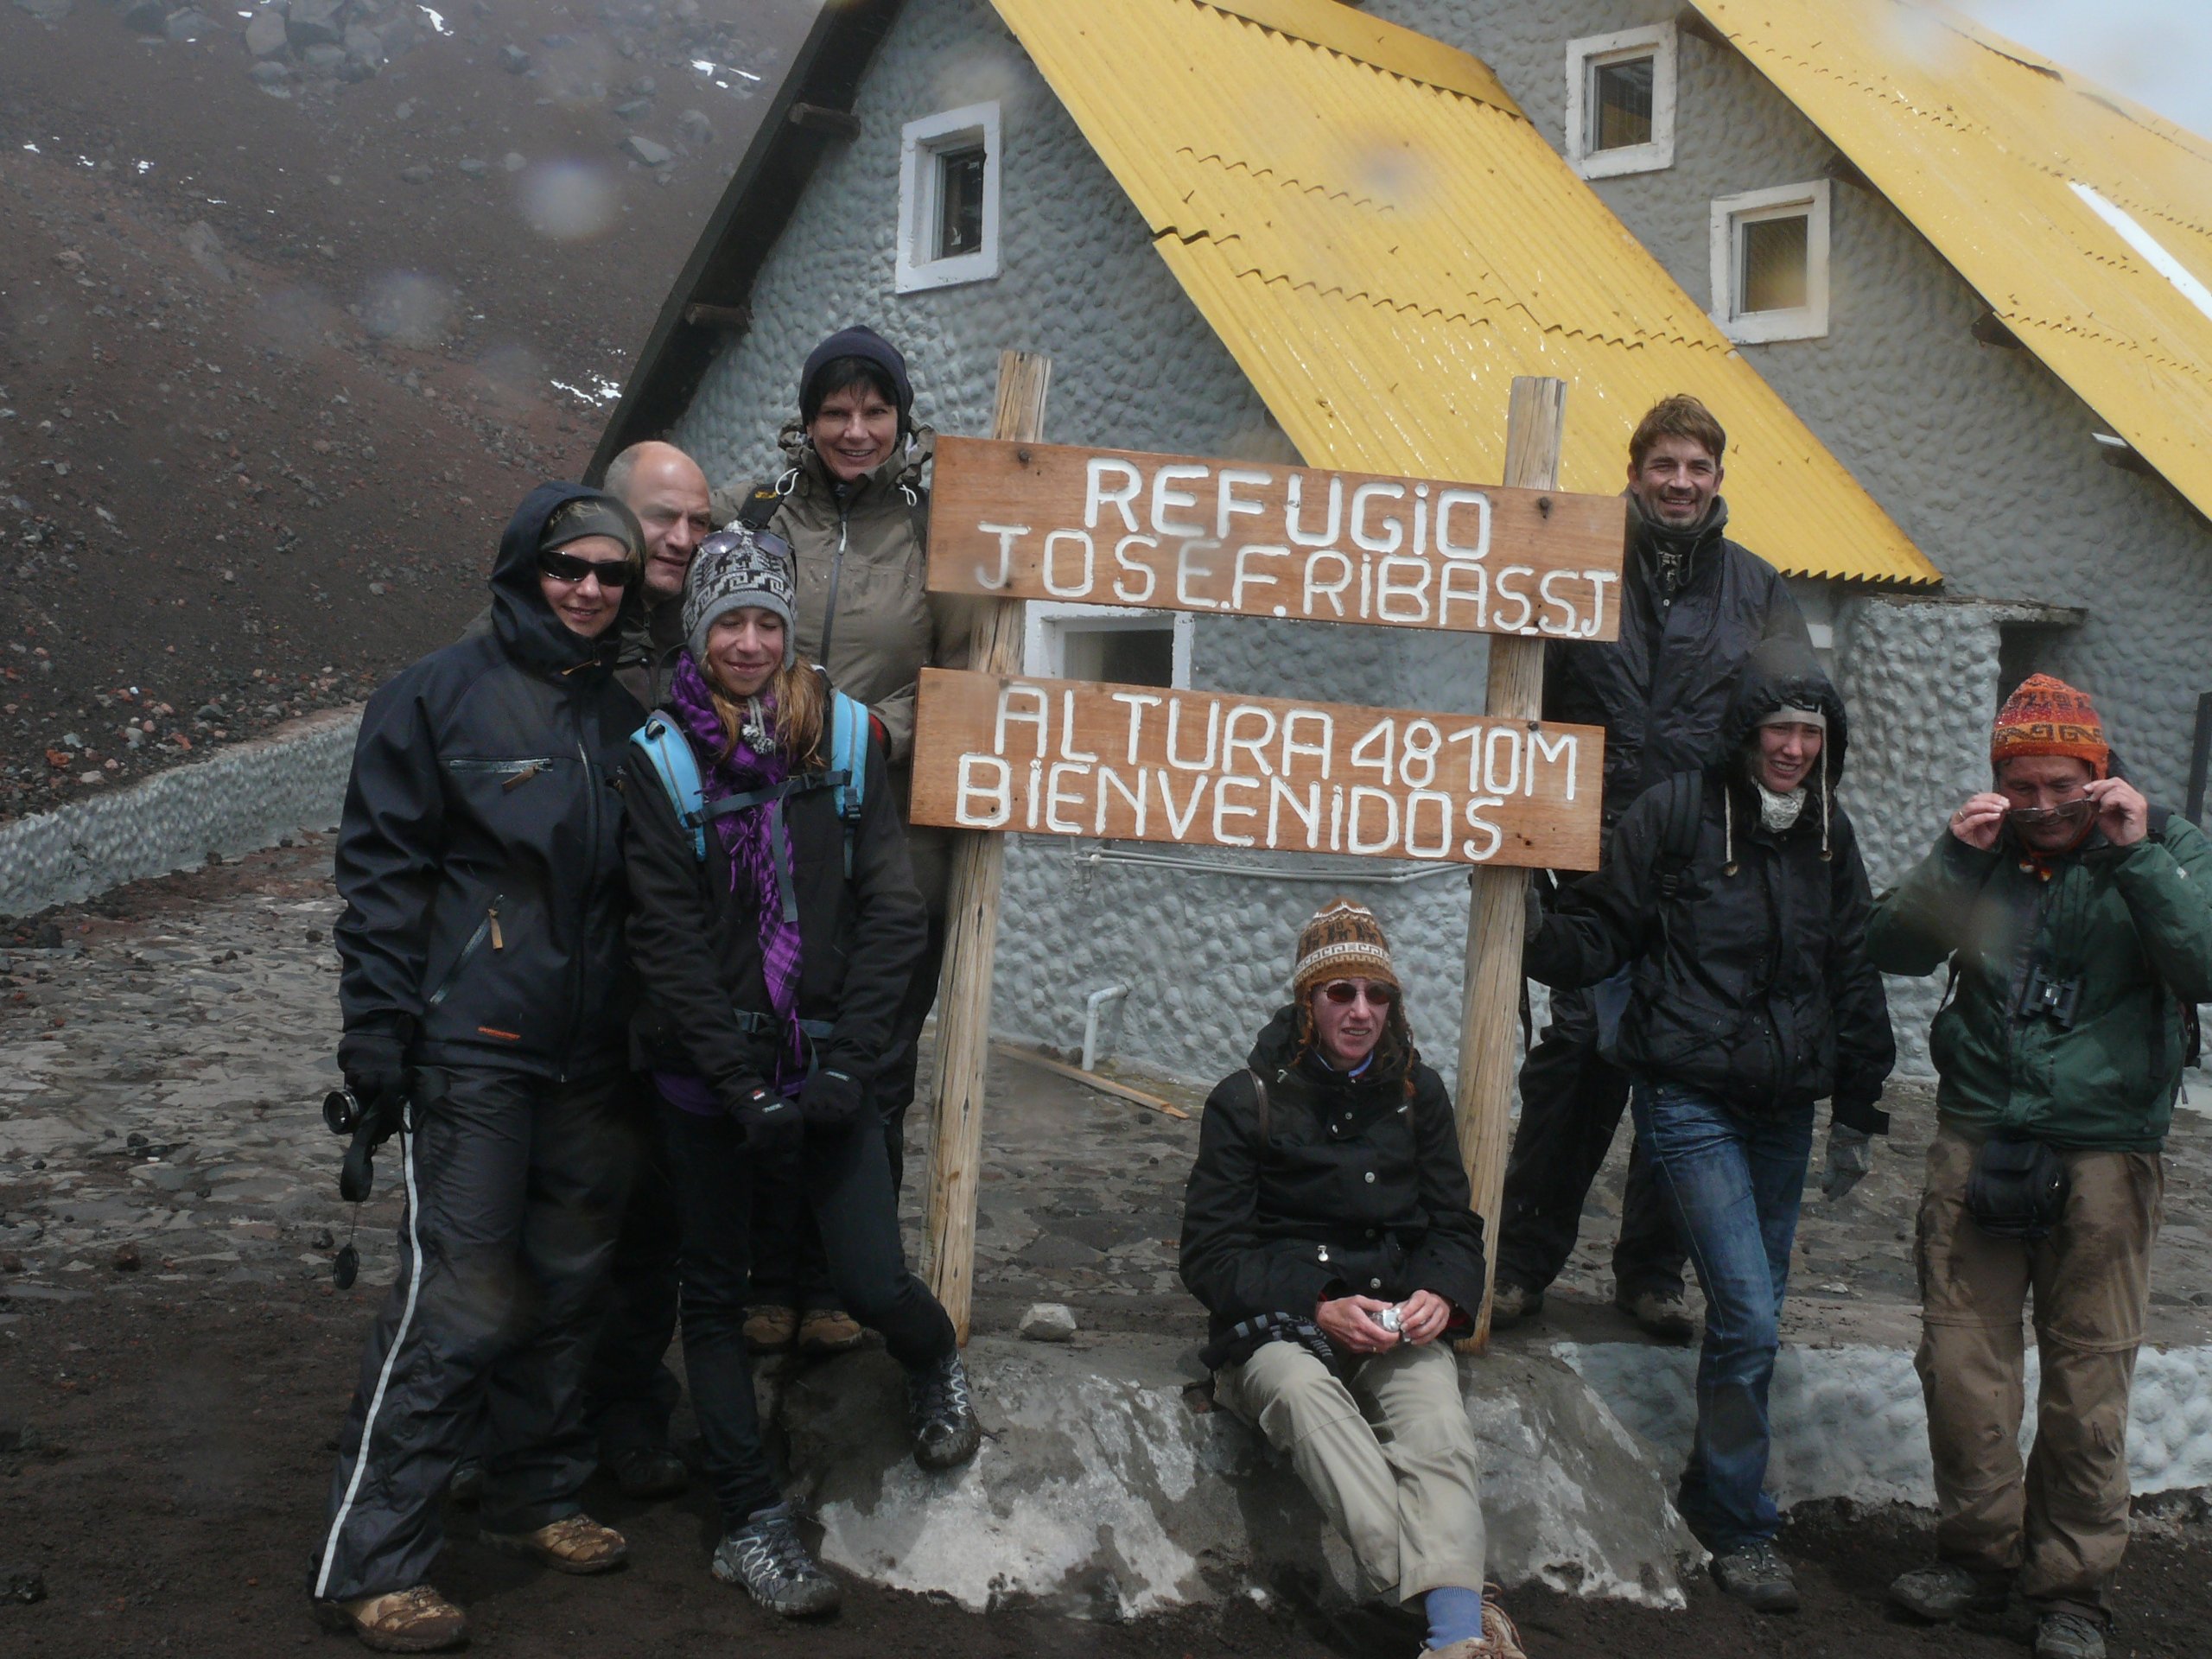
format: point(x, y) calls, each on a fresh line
point(829, 1331)
point(466, 1484)
point(646, 1472)
point(1757, 1575)
point(1945, 1591)
point(2069, 1636)
point(945, 1430)
point(770, 1329)
point(766, 1557)
point(1510, 1304)
point(1499, 1640)
point(1661, 1314)
point(574, 1543)
point(418, 1620)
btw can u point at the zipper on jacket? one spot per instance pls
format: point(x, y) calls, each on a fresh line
point(583, 914)
point(515, 772)
point(836, 570)
point(486, 929)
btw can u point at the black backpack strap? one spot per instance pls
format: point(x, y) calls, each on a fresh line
point(1260, 1099)
point(760, 508)
point(1678, 828)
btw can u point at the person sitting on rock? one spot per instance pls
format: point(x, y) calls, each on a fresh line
point(1327, 1229)
point(2077, 918)
point(1736, 898)
point(484, 993)
point(774, 935)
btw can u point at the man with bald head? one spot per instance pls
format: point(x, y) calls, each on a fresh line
point(665, 488)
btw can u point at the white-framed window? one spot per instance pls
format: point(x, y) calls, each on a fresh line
point(1770, 263)
point(1114, 643)
point(1620, 102)
point(948, 199)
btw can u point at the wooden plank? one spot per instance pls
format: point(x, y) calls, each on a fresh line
point(972, 936)
point(1090, 1079)
point(1497, 912)
point(1230, 538)
point(1211, 769)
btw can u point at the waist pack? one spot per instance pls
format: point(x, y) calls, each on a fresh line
point(2018, 1189)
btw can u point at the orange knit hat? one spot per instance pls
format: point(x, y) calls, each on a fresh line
point(2048, 716)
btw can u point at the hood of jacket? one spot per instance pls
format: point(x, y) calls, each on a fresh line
point(902, 467)
point(525, 623)
point(1783, 673)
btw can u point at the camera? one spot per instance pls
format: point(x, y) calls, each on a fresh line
point(370, 1126)
point(342, 1112)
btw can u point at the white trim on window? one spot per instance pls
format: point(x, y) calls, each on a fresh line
point(1730, 215)
point(922, 144)
point(1593, 50)
point(1046, 627)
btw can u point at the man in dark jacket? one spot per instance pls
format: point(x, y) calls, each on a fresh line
point(1750, 997)
point(2077, 920)
point(483, 994)
point(1327, 1229)
point(1693, 604)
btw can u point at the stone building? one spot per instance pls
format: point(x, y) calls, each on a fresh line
point(1950, 300)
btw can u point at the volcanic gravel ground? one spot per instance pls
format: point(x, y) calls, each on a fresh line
point(275, 370)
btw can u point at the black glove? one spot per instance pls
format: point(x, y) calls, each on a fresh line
point(375, 1067)
point(771, 1123)
point(830, 1100)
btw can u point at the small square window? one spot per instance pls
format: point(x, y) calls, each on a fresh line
point(1620, 102)
point(1770, 264)
point(1107, 643)
point(949, 199)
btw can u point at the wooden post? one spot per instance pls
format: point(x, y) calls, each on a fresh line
point(963, 1020)
point(1496, 917)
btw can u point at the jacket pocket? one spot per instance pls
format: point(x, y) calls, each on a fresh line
point(488, 932)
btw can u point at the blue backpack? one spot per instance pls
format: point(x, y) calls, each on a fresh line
point(663, 744)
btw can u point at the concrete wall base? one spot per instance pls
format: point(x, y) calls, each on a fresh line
point(240, 799)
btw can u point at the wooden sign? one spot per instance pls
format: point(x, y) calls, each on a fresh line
point(1225, 537)
point(1201, 768)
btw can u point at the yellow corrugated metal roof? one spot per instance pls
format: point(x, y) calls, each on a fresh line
point(1383, 241)
point(1981, 144)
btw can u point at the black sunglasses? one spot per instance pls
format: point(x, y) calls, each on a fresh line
point(566, 567)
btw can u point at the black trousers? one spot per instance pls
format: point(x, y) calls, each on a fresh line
point(846, 1185)
point(1571, 1103)
point(789, 1268)
point(630, 1394)
point(514, 1185)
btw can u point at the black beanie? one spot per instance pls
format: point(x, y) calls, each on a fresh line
point(869, 347)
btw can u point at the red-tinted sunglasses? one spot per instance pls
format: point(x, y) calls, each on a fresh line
point(1347, 991)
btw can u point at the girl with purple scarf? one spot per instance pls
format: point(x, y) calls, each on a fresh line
point(772, 969)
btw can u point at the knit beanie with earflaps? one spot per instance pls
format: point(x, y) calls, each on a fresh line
point(738, 570)
point(1342, 941)
point(2048, 716)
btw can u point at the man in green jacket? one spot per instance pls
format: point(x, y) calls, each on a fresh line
point(2077, 921)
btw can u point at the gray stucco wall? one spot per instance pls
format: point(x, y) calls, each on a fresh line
point(1979, 454)
point(1134, 364)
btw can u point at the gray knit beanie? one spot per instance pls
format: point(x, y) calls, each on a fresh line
point(734, 569)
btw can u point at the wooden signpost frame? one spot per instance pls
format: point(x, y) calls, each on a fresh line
point(1491, 995)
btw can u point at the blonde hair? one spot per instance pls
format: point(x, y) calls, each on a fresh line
point(800, 693)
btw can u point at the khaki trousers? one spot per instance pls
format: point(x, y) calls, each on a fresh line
point(2061, 1521)
point(1390, 1459)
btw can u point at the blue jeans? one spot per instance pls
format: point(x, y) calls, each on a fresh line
point(1732, 1182)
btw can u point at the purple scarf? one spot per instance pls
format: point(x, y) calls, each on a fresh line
point(745, 837)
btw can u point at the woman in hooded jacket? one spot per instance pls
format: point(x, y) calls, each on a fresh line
point(1728, 934)
point(774, 938)
point(853, 506)
point(484, 993)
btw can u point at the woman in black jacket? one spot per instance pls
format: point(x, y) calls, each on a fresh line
point(774, 938)
point(1731, 922)
point(1327, 1229)
point(482, 988)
